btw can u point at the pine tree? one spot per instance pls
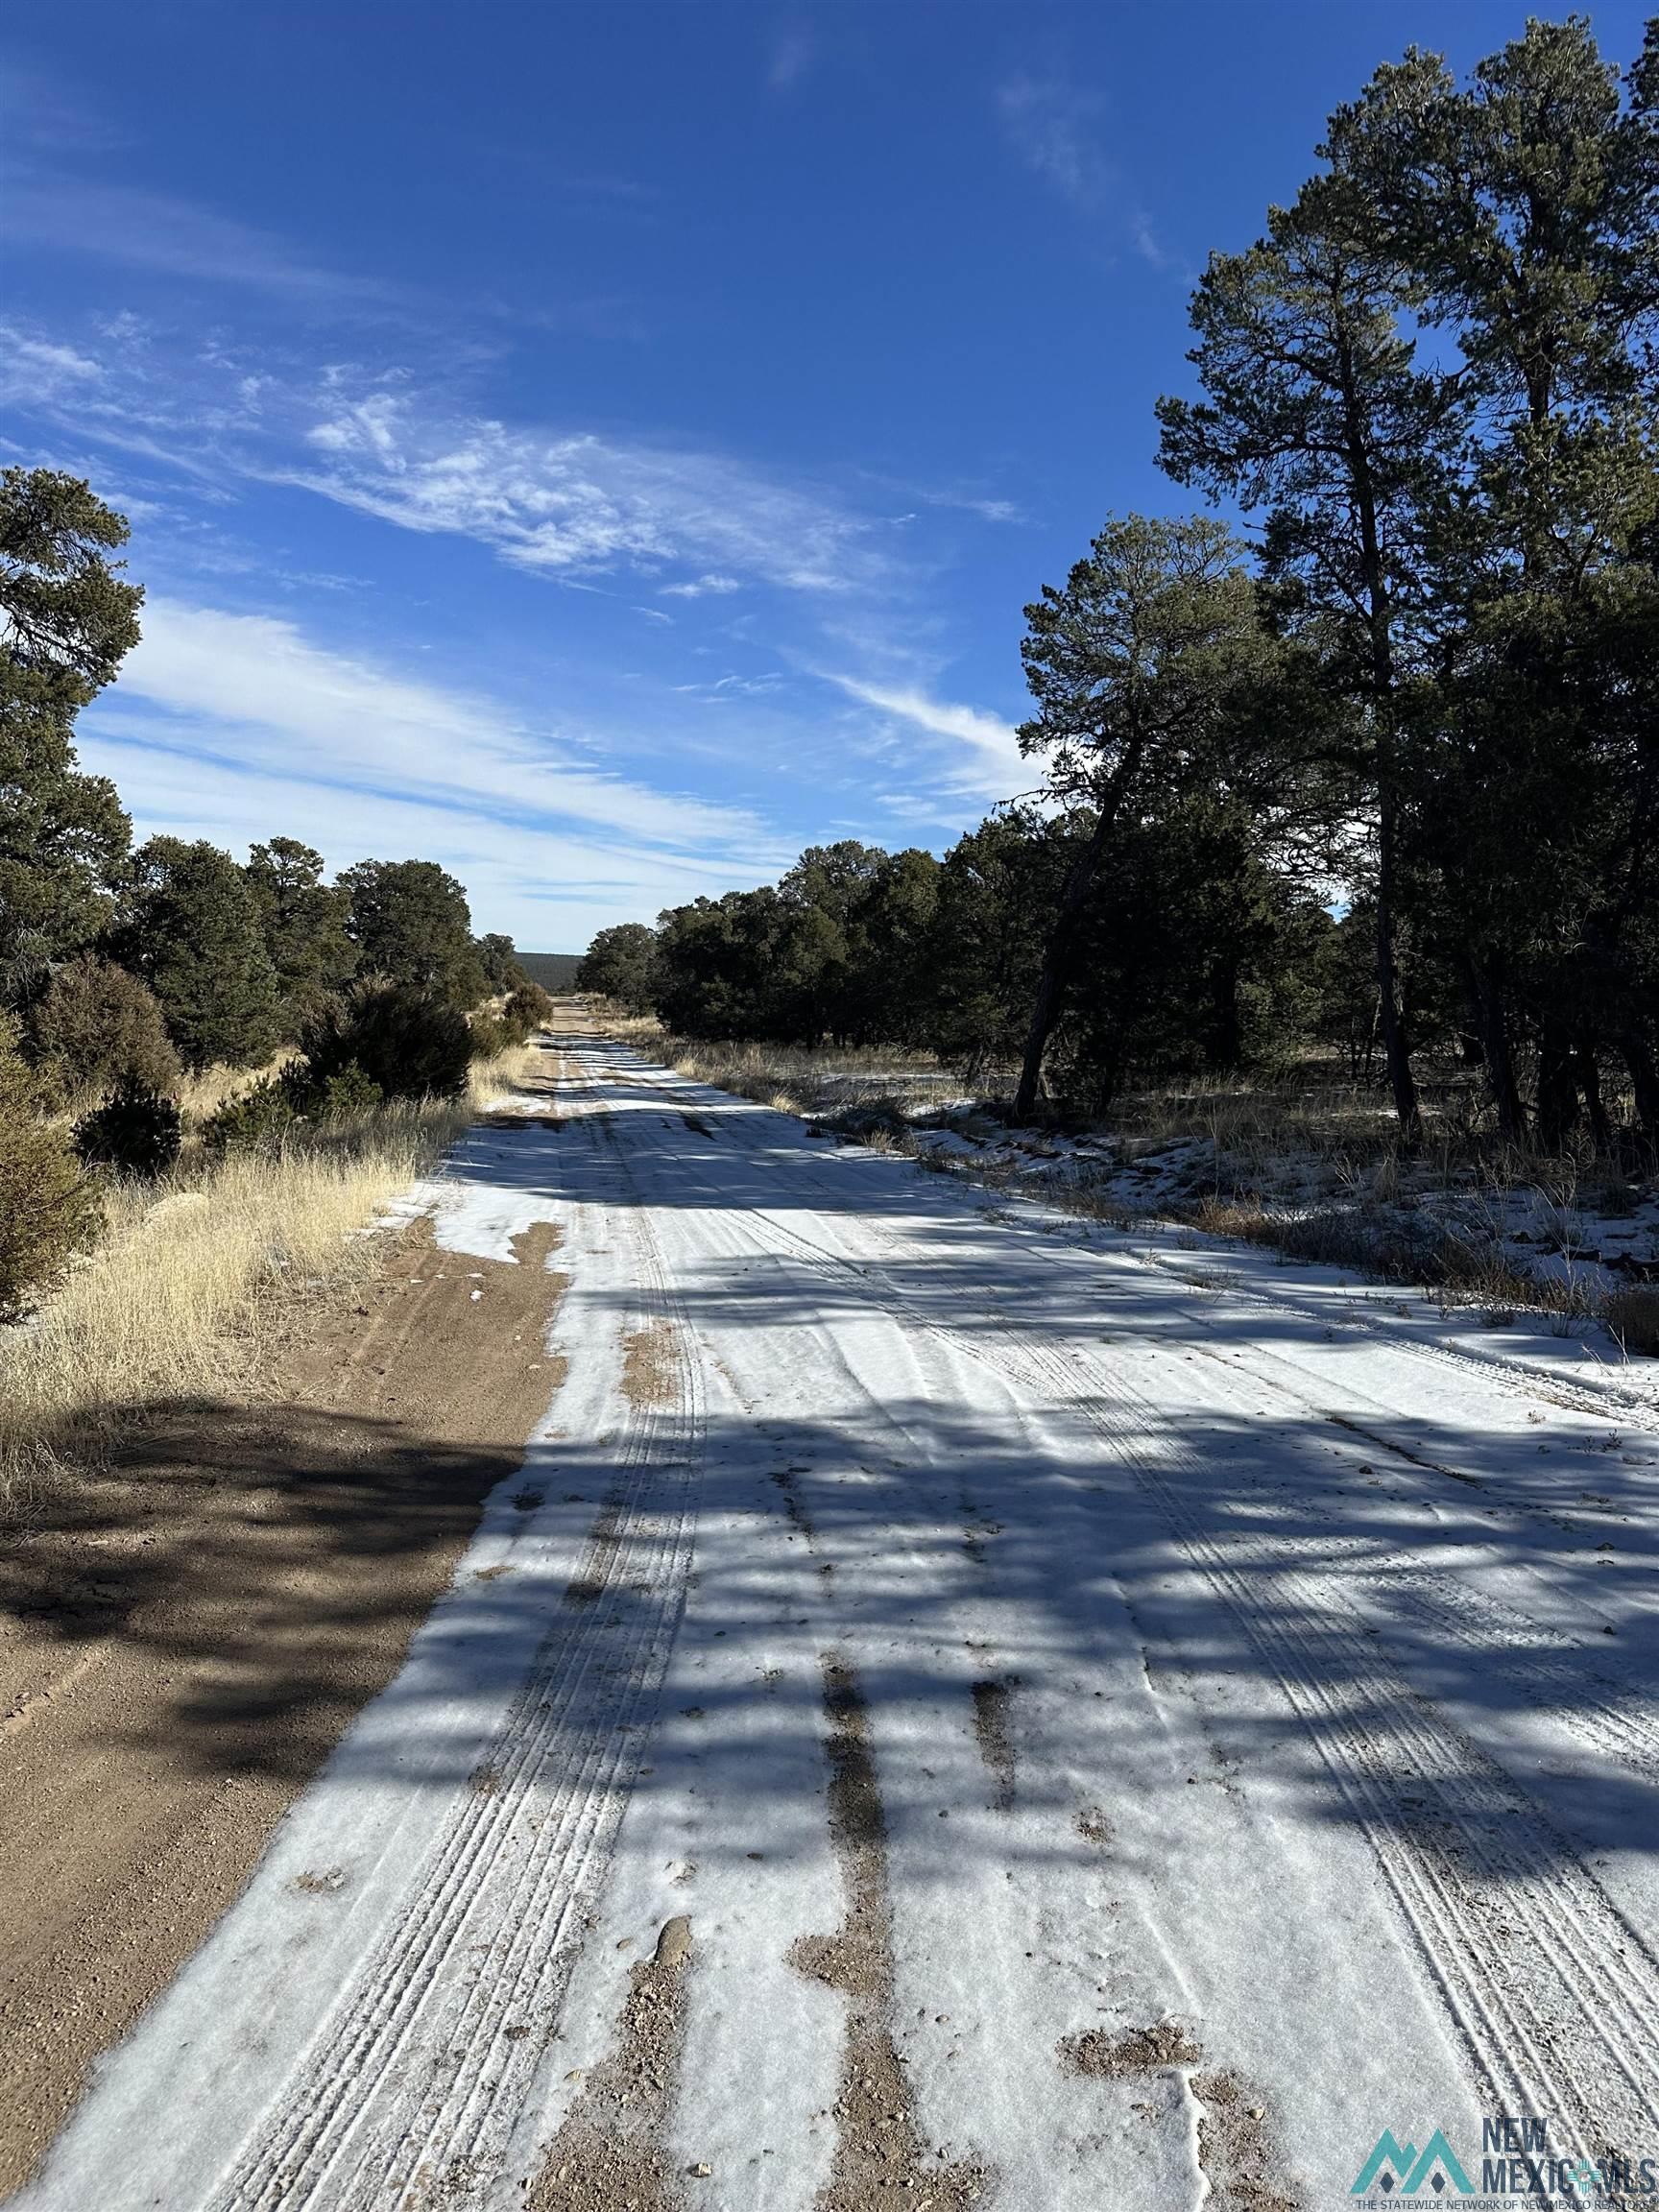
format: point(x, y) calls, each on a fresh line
point(1132, 666)
point(411, 922)
point(193, 933)
point(1524, 207)
point(303, 920)
point(618, 965)
point(1317, 410)
point(67, 620)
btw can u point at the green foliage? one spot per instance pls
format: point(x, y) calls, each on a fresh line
point(520, 1014)
point(67, 620)
point(136, 1129)
point(266, 1113)
point(47, 1213)
point(348, 1097)
point(489, 1034)
point(261, 1115)
point(303, 923)
point(411, 924)
point(1460, 530)
point(410, 1043)
point(618, 965)
point(718, 963)
point(193, 933)
point(528, 1008)
point(96, 1024)
point(499, 961)
point(842, 948)
point(999, 891)
point(1146, 669)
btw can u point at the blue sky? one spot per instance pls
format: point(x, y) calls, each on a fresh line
point(607, 448)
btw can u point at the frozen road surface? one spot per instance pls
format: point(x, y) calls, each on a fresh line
point(959, 1707)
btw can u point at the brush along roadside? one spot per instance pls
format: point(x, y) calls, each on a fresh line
point(199, 1271)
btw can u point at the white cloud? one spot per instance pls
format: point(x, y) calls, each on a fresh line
point(996, 764)
point(550, 888)
point(702, 588)
point(561, 502)
point(574, 502)
point(1054, 126)
point(36, 372)
point(280, 701)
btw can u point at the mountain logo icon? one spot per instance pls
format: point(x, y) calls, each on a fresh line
point(1395, 2165)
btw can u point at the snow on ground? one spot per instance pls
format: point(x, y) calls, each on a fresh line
point(1587, 1237)
point(1125, 1722)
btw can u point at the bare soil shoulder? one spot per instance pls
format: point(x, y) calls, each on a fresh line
point(185, 1635)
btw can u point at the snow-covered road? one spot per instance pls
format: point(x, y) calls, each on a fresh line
point(1094, 1721)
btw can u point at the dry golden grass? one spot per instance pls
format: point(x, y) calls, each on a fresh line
point(509, 1070)
point(205, 1093)
point(197, 1271)
point(1462, 1269)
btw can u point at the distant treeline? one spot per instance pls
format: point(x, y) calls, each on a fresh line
point(1423, 697)
point(1189, 953)
point(554, 971)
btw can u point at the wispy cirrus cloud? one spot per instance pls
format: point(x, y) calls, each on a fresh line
point(567, 503)
point(35, 372)
point(577, 501)
point(264, 694)
point(1056, 128)
point(993, 764)
point(701, 587)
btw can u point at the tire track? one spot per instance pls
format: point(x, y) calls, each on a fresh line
point(1605, 1400)
point(1536, 1966)
point(880, 2163)
point(1472, 1860)
point(1607, 1716)
point(422, 2066)
point(1602, 1714)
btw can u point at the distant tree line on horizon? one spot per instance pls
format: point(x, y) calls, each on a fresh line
point(1384, 776)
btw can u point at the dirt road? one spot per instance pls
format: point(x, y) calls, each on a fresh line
point(957, 1709)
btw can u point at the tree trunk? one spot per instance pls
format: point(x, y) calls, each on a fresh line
point(1057, 961)
point(1557, 1092)
point(1226, 1044)
point(1486, 997)
point(1390, 1018)
point(1379, 621)
point(1588, 1075)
